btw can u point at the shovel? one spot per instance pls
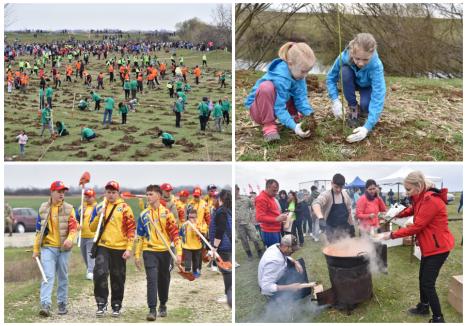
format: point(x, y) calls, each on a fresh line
point(85, 178)
point(187, 275)
point(226, 265)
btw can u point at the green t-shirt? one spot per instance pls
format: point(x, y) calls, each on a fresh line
point(292, 208)
point(167, 136)
point(109, 103)
point(87, 132)
point(49, 92)
point(179, 105)
point(178, 85)
point(226, 106)
point(45, 115)
point(123, 109)
point(203, 109)
point(218, 110)
point(182, 94)
point(133, 84)
point(126, 84)
point(61, 128)
point(187, 87)
point(96, 97)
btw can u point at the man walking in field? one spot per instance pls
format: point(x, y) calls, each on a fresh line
point(155, 250)
point(56, 228)
point(114, 247)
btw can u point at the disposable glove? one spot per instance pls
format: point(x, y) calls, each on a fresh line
point(298, 130)
point(322, 224)
point(337, 109)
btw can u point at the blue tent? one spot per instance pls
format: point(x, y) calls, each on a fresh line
point(357, 183)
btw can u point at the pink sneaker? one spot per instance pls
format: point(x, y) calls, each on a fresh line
point(270, 132)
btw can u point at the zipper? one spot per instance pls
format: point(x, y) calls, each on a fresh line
point(435, 241)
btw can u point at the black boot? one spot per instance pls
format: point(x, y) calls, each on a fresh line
point(437, 319)
point(421, 309)
point(162, 311)
point(151, 315)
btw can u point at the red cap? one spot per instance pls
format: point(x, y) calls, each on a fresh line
point(183, 193)
point(166, 187)
point(58, 185)
point(113, 184)
point(197, 192)
point(90, 193)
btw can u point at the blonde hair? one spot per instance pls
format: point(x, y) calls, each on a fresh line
point(417, 179)
point(293, 52)
point(364, 41)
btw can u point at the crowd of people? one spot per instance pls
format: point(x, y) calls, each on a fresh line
point(277, 222)
point(132, 66)
point(110, 233)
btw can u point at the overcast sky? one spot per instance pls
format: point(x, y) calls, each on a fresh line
point(99, 16)
point(289, 175)
point(131, 175)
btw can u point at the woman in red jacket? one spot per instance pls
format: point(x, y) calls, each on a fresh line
point(369, 206)
point(430, 225)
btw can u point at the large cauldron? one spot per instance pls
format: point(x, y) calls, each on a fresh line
point(349, 272)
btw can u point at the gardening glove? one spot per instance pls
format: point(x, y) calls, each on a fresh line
point(322, 224)
point(358, 134)
point(298, 130)
point(337, 109)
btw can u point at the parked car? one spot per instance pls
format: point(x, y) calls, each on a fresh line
point(450, 198)
point(24, 220)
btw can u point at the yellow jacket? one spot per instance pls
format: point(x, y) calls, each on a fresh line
point(88, 212)
point(119, 233)
point(61, 225)
point(181, 211)
point(203, 211)
point(190, 238)
point(148, 239)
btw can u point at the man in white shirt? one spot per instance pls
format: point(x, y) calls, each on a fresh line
point(280, 275)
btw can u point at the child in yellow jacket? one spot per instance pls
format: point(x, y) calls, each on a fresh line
point(191, 243)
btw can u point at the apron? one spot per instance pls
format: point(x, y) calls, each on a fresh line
point(337, 221)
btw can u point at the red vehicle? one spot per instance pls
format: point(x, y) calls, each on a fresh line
point(24, 220)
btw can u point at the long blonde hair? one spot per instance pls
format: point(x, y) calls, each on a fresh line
point(417, 179)
point(293, 52)
point(364, 41)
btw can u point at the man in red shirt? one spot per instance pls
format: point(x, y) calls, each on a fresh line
point(268, 213)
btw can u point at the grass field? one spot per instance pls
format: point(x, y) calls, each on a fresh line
point(135, 141)
point(421, 121)
point(394, 293)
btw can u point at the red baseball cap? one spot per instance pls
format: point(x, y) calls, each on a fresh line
point(90, 193)
point(183, 193)
point(166, 187)
point(113, 184)
point(197, 192)
point(58, 185)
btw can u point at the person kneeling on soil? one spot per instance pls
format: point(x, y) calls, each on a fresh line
point(282, 92)
point(61, 129)
point(87, 133)
point(361, 70)
point(279, 275)
point(83, 104)
point(152, 244)
point(167, 138)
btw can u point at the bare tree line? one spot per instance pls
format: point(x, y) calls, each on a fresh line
point(412, 38)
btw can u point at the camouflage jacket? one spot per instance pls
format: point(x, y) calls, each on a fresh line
point(243, 210)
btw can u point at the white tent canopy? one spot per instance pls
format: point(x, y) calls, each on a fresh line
point(400, 175)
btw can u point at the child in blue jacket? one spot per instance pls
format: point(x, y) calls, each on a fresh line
point(282, 92)
point(362, 71)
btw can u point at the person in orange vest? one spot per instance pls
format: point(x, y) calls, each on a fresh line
point(197, 73)
point(69, 73)
point(10, 81)
point(122, 74)
point(140, 83)
point(24, 80)
point(184, 73)
point(162, 69)
point(77, 68)
point(111, 73)
point(58, 80)
point(150, 80)
point(100, 80)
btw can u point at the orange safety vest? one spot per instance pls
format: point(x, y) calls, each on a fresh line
point(140, 77)
point(162, 67)
point(197, 72)
point(111, 68)
point(78, 66)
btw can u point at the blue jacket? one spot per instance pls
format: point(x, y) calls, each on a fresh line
point(286, 87)
point(371, 75)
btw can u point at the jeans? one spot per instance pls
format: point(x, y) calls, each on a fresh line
point(349, 89)
point(85, 246)
point(54, 261)
point(271, 238)
point(177, 120)
point(428, 273)
point(108, 116)
point(218, 123)
point(22, 148)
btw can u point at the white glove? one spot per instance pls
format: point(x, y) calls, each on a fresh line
point(357, 135)
point(337, 108)
point(394, 210)
point(298, 130)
